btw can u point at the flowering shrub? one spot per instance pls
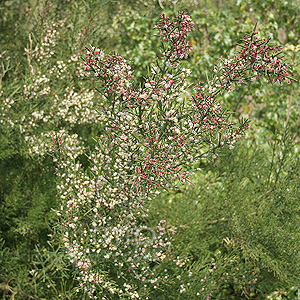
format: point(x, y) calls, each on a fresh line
point(152, 136)
point(48, 107)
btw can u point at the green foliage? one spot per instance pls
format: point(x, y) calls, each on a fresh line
point(135, 38)
point(239, 223)
point(5, 150)
point(41, 273)
point(27, 196)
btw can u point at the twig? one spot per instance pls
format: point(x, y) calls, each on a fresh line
point(6, 287)
point(160, 4)
point(37, 277)
point(289, 111)
point(29, 53)
point(217, 221)
point(264, 194)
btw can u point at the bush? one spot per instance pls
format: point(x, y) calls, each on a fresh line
point(47, 107)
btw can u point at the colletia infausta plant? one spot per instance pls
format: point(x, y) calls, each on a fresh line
point(151, 139)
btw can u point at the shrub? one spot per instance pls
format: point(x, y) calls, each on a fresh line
point(150, 140)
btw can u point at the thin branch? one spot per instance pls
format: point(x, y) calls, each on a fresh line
point(161, 5)
point(289, 111)
point(217, 221)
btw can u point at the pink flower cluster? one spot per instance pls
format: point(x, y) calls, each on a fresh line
point(257, 58)
point(212, 121)
point(262, 57)
point(159, 165)
point(112, 70)
point(208, 112)
point(57, 144)
point(175, 33)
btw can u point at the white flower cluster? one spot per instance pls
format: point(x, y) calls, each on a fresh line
point(48, 41)
point(50, 98)
point(38, 87)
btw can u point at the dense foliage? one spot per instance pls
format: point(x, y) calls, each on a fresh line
point(231, 232)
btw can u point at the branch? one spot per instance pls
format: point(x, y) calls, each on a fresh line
point(7, 288)
point(217, 221)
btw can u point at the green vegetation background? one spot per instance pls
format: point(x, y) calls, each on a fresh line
point(237, 221)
